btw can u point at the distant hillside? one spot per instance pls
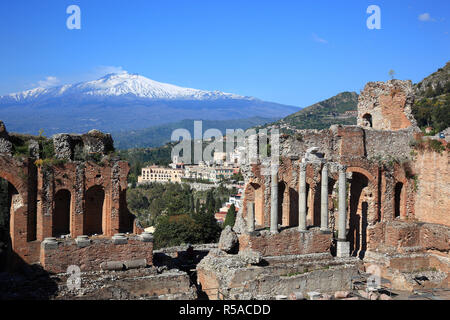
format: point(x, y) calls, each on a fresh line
point(156, 136)
point(432, 103)
point(323, 114)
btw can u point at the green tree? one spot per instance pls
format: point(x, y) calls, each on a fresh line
point(231, 217)
point(197, 206)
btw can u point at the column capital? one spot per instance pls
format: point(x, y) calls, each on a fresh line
point(325, 167)
point(342, 167)
point(303, 166)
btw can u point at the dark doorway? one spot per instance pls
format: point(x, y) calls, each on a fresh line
point(398, 198)
point(7, 194)
point(61, 214)
point(93, 213)
point(358, 214)
point(281, 201)
point(367, 120)
point(293, 207)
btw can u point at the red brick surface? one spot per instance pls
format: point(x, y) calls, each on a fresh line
point(90, 257)
point(287, 242)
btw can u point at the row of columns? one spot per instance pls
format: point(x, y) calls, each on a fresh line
point(324, 217)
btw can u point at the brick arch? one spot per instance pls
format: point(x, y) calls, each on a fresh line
point(62, 212)
point(94, 213)
point(21, 223)
point(14, 175)
point(362, 171)
point(254, 192)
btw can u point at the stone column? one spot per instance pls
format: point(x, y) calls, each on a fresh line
point(343, 246)
point(274, 199)
point(302, 198)
point(251, 216)
point(324, 200)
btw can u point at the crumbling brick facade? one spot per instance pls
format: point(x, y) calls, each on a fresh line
point(82, 192)
point(386, 105)
point(386, 181)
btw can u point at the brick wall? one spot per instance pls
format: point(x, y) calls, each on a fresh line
point(399, 236)
point(433, 193)
point(287, 242)
point(90, 257)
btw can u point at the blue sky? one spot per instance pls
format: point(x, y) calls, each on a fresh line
point(292, 52)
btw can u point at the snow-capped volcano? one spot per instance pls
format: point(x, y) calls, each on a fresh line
point(124, 101)
point(121, 84)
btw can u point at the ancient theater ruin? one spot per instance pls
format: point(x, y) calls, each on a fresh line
point(67, 200)
point(342, 201)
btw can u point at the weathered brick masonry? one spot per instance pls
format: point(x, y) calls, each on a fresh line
point(82, 192)
point(89, 257)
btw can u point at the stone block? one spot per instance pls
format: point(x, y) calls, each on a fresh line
point(341, 294)
point(49, 244)
point(343, 249)
point(146, 237)
point(296, 296)
point(119, 238)
point(314, 295)
point(82, 241)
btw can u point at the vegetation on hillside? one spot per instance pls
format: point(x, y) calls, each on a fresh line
point(432, 104)
point(324, 114)
point(156, 136)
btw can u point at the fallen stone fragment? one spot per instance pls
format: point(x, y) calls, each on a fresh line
point(341, 294)
point(228, 240)
point(296, 296)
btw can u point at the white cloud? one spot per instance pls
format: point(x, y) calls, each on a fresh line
point(425, 17)
point(49, 82)
point(104, 70)
point(316, 38)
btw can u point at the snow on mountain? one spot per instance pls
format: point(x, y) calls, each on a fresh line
point(119, 85)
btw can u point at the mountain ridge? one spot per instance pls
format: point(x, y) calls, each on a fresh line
point(123, 101)
point(119, 85)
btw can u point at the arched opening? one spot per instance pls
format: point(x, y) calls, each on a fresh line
point(283, 204)
point(93, 213)
point(367, 120)
point(398, 199)
point(259, 206)
point(313, 205)
point(61, 213)
point(332, 203)
point(8, 196)
point(308, 205)
point(293, 207)
point(359, 206)
point(254, 193)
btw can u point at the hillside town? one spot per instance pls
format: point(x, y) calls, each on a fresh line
point(207, 174)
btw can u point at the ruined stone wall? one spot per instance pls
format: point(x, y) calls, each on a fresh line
point(406, 236)
point(287, 242)
point(49, 195)
point(433, 187)
point(386, 105)
point(90, 257)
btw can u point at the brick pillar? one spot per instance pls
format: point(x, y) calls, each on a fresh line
point(274, 200)
point(77, 212)
point(114, 200)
